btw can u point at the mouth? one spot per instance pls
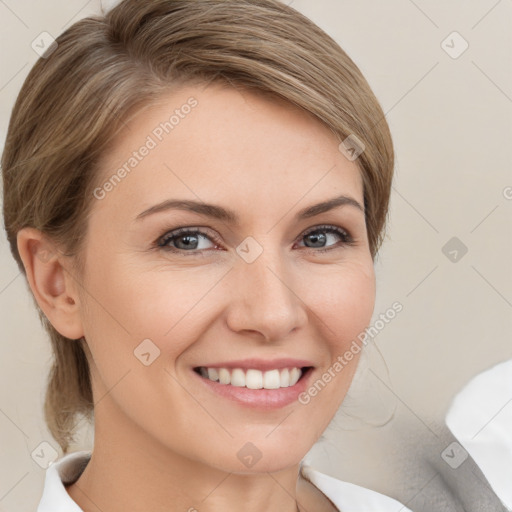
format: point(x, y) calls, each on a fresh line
point(255, 383)
point(253, 378)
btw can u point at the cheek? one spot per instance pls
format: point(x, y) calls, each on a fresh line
point(343, 299)
point(126, 306)
point(131, 303)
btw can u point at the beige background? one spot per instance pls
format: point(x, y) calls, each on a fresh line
point(451, 119)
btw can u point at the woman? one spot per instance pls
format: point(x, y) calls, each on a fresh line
point(196, 192)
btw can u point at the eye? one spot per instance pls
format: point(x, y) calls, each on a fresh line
point(195, 240)
point(319, 236)
point(192, 240)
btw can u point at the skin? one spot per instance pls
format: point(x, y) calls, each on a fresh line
point(163, 441)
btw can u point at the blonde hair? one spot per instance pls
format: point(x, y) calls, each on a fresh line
point(108, 67)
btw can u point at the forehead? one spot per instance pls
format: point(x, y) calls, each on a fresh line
point(228, 145)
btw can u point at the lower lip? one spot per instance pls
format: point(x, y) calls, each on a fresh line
point(263, 399)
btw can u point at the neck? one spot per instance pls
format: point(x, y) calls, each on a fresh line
point(129, 470)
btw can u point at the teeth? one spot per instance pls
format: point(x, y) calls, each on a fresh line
point(295, 374)
point(272, 379)
point(253, 379)
point(237, 378)
point(213, 374)
point(224, 376)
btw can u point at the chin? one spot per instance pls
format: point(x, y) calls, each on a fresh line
point(263, 456)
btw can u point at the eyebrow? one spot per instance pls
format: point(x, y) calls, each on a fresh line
point(229, 216)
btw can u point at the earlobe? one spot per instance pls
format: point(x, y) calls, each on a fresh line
point(52, 285)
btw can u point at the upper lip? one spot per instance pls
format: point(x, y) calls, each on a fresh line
point(261, 364)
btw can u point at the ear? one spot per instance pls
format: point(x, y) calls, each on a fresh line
point(54, 288)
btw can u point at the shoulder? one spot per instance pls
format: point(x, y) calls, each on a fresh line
point(490, 385)
point(350, 497)
point(483, 399)
point(480, 418)
point(65, 471)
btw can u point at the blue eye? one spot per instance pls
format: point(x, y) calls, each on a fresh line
point(318, 237)
point(184, 239)
point(193, 240)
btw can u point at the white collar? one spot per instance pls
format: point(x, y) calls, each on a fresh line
point(55, 498)
point(350, 497)
point(346, 496)
point(480, 417)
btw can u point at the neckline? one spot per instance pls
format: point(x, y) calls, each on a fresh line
point(70, 471)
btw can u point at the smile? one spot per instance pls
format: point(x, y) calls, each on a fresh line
point(252, 378)
point(260, 384)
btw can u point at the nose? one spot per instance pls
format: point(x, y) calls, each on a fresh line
point(264, 299)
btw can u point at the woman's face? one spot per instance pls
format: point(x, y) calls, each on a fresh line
point(170, 290)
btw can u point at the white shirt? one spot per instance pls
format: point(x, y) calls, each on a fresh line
point(480, 417)
point(347, 497)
